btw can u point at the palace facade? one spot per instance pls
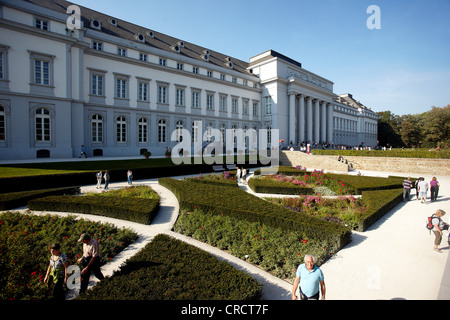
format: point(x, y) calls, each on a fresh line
point(120, 89)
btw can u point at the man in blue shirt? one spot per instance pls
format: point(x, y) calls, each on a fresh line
point(310, 278)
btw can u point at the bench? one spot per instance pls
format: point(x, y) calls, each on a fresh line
point(218, 168)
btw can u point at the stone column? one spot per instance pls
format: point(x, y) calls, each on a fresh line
point(301, 119)
point(309, 120)
point(323, 124)
point(330, 126)
point(316, 121)
point(292, 118)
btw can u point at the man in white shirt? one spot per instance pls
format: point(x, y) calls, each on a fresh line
point(423, 188)
point(90, 260)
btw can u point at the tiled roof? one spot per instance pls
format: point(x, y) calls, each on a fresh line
point(129, 31)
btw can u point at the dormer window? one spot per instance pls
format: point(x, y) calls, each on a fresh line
point(139, 37)
point(151, 34)
point(113, 22)
point(95, 24)
point(181, 44)
point(176, 48)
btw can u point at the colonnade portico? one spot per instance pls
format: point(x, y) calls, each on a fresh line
point(310, 119)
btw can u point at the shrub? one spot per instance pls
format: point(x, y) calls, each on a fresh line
point(272, 249)
point(24, 252)
point(237, 203)
point(169, 269)
point(18, 199)
point(138, 204)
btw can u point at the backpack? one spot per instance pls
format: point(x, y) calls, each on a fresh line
point(429, 225)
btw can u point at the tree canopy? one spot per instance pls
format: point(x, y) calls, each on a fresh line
point(429, 129)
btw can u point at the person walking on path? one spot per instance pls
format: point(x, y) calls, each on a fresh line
point(106, 177)
point(129, 177)
point(57, 272)
point(438, 226)
point(244, 174)
point(309, 280)
point(238, 175)
point(90, 261)
point(434, 188)
point(83, 151)
point(423, 189)
point(407, 184)
point(99, 179)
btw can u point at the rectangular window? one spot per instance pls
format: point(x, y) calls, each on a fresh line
point(223, 103)
point(143, 91)
point(268, 105)
point(41, 24)
point(179, 97)
point(180, 66)
point(162, 94)
point(121, 52)
point(97, 85)
point(142, 57)
point(195, 99)
point(41, 72)
point(255, 108)
point(210, 101)
point(162, 61)
point(97, 46)
point(245, 107)
point(121, 88)
point(195, 70)
point(234, 105)
point(2, 74)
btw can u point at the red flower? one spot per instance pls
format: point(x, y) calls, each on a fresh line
point(305, 240)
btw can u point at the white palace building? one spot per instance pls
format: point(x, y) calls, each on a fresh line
point(119, 89)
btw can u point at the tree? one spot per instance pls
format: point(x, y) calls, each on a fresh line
point(389, 129)
point(437, 127)
point(411, 130)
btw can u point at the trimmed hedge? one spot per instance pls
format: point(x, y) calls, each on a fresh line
point(378, 203)
point(236, 202)
point(169, 269)
point(414, 153)
point(274, 187)
point(13, 200)
point(130, 208)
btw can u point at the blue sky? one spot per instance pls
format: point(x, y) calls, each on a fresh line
point(403, 67)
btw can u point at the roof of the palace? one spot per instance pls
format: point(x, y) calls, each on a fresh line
point(126, 30)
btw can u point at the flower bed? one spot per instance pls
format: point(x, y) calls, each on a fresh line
point(169, 269)
point(343, 209)
point(237, 203)
point(303, 183)
point(274, 250)
point(24, 253)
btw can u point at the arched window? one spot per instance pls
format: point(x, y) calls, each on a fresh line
point(2, 124)
point(195, 131)
point(179, 128)
point(121, 123)
point(143, 129)
point(42, 125)
point(97, 128)
point(162, 131)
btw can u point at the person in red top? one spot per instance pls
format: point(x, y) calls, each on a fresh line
point(407, 184)
point(90, 260)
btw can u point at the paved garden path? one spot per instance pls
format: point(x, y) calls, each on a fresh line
point(393, 259)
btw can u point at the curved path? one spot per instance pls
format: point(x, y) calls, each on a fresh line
point(393, 259)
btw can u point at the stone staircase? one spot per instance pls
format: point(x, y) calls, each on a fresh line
point(311, 162)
